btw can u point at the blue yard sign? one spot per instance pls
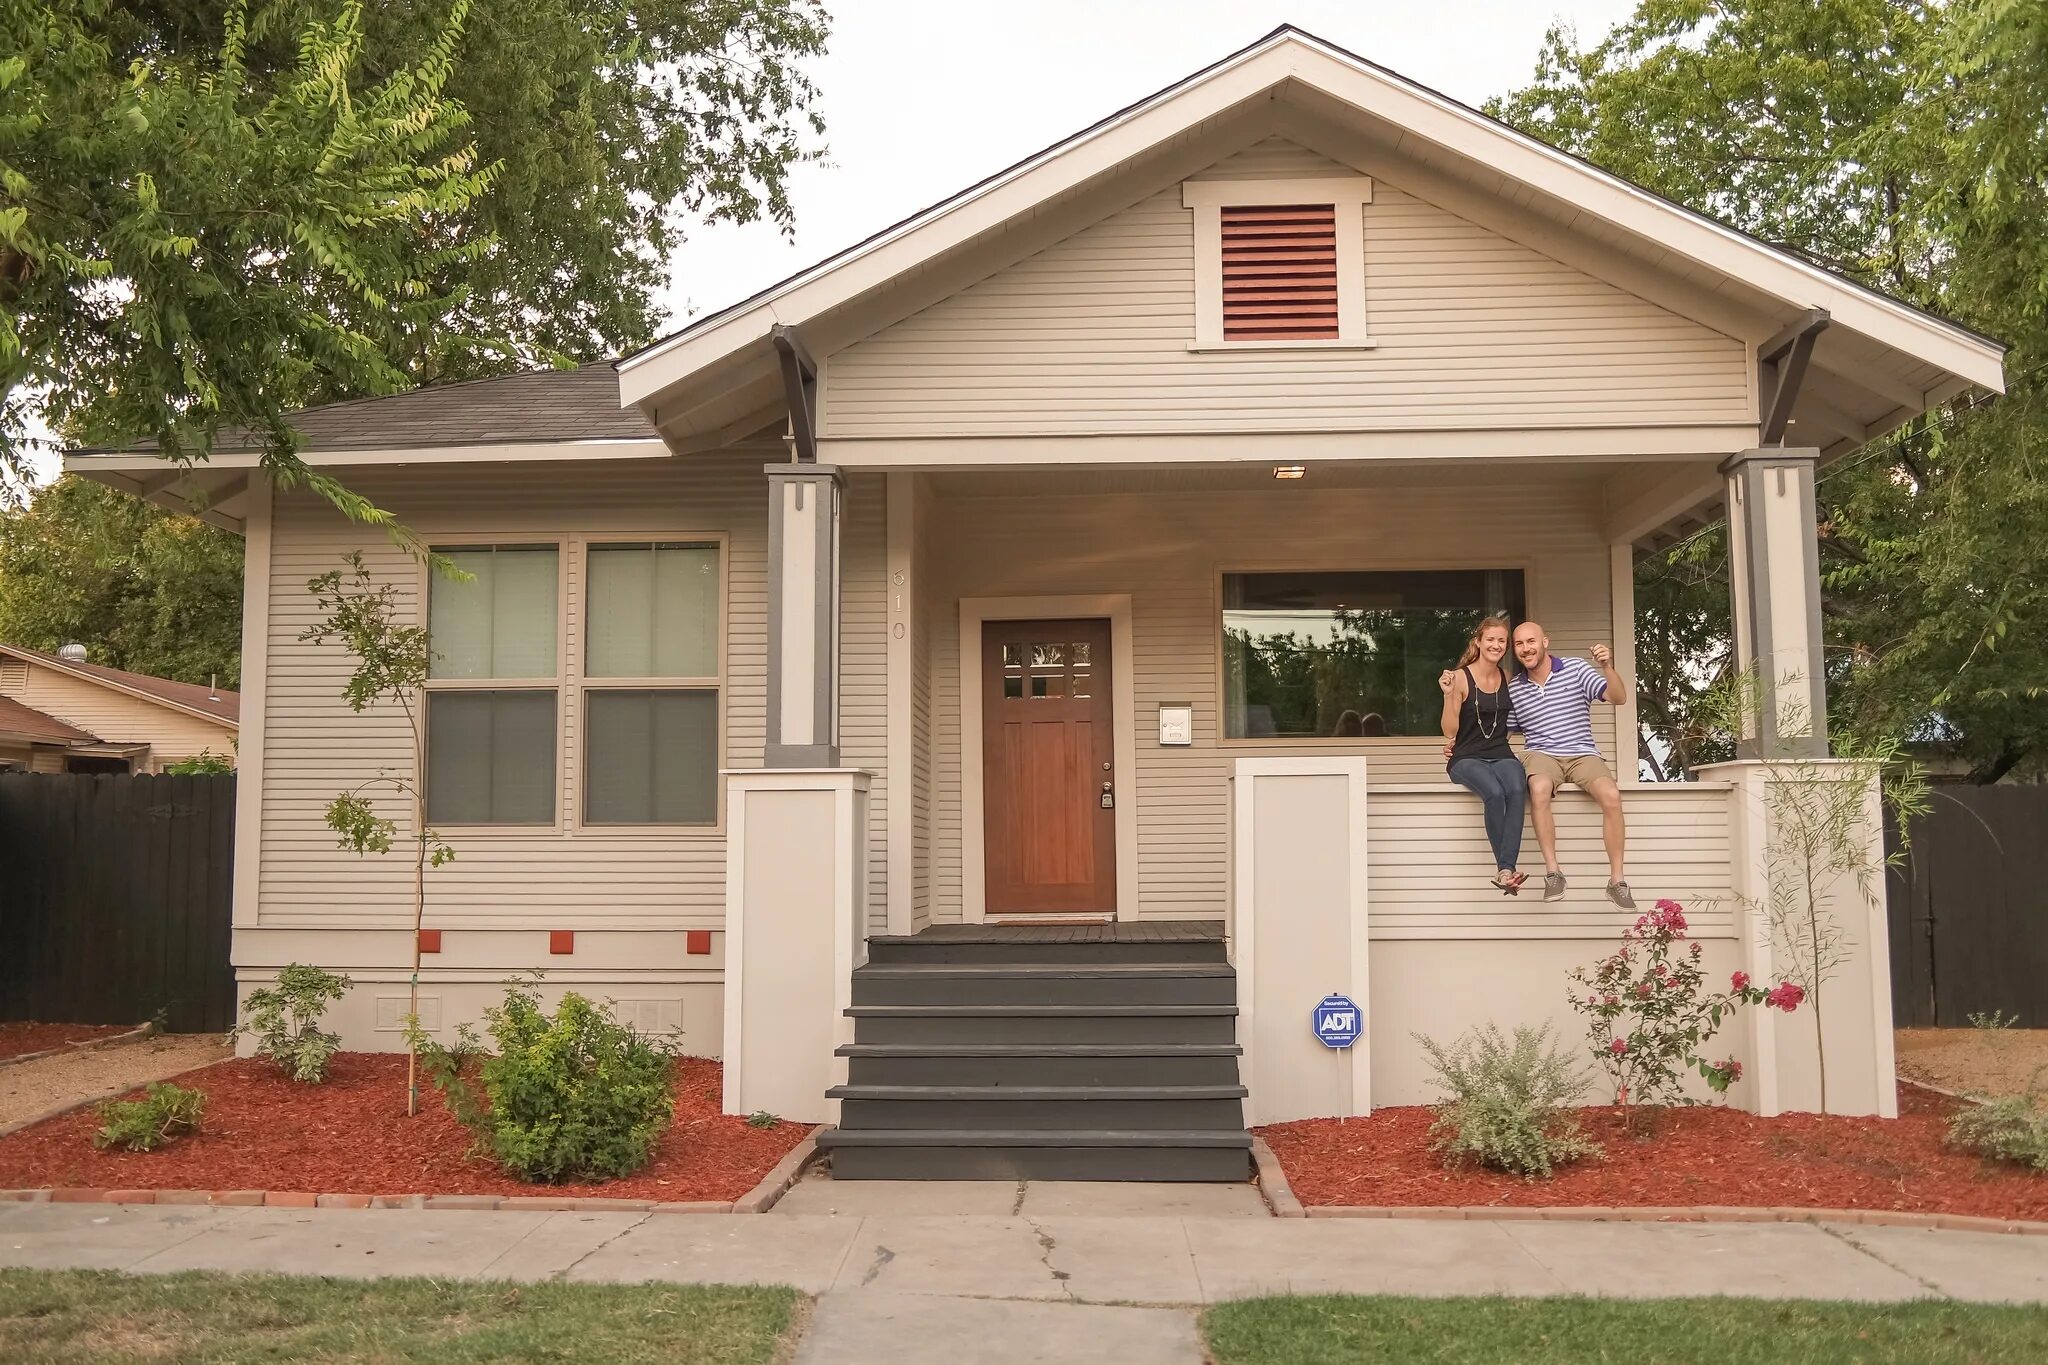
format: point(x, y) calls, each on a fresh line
point(1338, 1022)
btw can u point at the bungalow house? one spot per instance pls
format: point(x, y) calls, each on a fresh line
point(61, 713)
point(983, 687)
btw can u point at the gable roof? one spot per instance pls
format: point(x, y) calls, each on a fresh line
point(191, 698)
point(1774, 285)
point(23, 722)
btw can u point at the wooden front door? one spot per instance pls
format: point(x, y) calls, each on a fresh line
point(1048, 759)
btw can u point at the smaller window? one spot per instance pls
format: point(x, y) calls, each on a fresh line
point(493, 686)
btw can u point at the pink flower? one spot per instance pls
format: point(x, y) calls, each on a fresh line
point(1618, 1046)
point(1732, 1069)
point(1644, 990)
point(1739, 982)
point(1785, 996)
point(1613, 1000)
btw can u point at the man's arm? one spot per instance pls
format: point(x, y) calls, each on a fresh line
point(1617, 690)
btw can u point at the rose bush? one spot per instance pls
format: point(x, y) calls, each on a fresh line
point(1650, 1014)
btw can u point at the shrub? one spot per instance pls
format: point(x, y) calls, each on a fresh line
point(2009, 1128)
point(579, 1096)
point(1650, 1015)
point(1509, 1102)
point(164, 1113)
point(285, 1020)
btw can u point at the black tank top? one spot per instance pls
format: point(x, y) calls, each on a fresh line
point(1482, 722)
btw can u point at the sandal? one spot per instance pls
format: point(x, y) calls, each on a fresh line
point(1510, 883)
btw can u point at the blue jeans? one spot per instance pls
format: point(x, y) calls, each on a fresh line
point(1503, 788)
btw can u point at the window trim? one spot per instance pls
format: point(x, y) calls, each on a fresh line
point(1208, 199)
point(1349, 563)
point(584, 685)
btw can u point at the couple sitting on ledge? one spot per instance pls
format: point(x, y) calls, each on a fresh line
point(1550, 700)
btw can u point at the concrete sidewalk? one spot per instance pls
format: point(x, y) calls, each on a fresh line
point(911, 1288)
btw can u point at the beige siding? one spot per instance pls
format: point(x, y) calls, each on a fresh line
point(568, 878)
point(119, 718)
point(1167, 551)
point(1472, 331)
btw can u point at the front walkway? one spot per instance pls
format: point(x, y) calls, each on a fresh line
point(910, 1288)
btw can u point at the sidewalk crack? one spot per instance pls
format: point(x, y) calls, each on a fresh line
point(1047, 1245)
point(1017, 1204)
point(1843, 1236)
point(566, 1270)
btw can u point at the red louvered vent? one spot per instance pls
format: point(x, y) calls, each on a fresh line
point(1280, 273)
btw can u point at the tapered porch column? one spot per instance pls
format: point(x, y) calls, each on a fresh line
point(1774, 581)
point(803, 616)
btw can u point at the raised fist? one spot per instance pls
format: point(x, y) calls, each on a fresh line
point(1603, 656)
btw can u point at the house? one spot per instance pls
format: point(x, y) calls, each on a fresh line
point(61, 713)
point(983, 687)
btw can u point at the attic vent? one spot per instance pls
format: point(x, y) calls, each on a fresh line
point(1280, 272)
point(13, 677)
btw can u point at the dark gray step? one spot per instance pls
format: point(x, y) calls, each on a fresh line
point(1192, 983)
point(1161, 1064)
point(1032, 1155)
point(940, 952)
point(1063, 1108)
point(1045, 1023)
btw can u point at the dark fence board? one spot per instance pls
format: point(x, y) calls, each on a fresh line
point(1969, 909)
point(115, 899)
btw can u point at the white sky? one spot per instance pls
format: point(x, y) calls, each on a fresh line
point(923, 98)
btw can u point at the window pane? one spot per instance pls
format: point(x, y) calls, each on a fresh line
point(500, 623)
point(652, 758)
point(491, 758)
point(1349, 654)
point(653, 611)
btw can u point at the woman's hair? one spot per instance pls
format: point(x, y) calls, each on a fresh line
point(1479, 633)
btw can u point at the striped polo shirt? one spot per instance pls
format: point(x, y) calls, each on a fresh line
point(1557, 718)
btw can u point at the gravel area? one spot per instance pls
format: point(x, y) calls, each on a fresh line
point(1973, 1061)
point(36, 1087)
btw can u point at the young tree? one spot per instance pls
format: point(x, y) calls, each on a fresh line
point(392, 661)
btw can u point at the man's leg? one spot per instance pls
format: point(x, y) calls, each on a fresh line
point(1541, 788)
point(1613, 830)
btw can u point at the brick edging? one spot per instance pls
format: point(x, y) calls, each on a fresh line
point(1697, 1213)
point(140, 1031)
point(1272, 1182)
point(760, 1199)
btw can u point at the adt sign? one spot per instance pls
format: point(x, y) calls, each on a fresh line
point(1337, 1021)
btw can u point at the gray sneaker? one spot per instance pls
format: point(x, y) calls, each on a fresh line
point(1553, 886)
point(1619, 893)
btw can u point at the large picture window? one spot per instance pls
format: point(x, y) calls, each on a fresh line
point(1349, 654)
point(651, 672)
point(493, 689)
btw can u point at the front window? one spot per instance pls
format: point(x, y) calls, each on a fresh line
point(493, 688)
point(1349, 654)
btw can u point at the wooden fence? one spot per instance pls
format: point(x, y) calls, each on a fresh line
point(114, 899)
point(1969, 909)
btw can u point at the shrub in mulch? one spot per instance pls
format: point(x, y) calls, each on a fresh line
point(265, 1131)
point(18, 1040)
point(1704, 1155)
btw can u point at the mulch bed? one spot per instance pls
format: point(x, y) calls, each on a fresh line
point(1706, 1155)
point(18, 1040)
point(350, 1135)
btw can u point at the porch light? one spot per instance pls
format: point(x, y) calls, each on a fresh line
point(1290, 471)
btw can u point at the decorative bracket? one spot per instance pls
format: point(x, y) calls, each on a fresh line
point(800, 388)
point(1781, 369)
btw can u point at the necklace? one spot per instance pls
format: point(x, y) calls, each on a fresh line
point(1479, 712)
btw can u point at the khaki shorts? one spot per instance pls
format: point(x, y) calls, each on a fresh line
point(1584, 769)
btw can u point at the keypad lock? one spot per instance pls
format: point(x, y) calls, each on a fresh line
point(1108, 798)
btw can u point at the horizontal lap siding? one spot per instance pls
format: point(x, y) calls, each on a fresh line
point(118, 718)
point(315, 746)
point(1472, 330)
point(1166, 551)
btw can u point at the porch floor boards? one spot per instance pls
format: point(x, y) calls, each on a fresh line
point(1122, 931)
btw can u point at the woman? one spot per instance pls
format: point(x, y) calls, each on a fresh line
point(1475, 723)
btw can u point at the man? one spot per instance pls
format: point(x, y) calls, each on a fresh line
point(1553, 707)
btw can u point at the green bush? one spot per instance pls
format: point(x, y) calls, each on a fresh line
point(2009, 1128)
point(579, 1096)
point(1509, 1105)
point(285, 1020)
point(165, 1112)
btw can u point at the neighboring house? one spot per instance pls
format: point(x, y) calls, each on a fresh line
point(60, 713)
point(1083, 547)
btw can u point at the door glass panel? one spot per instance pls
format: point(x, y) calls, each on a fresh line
point(1013, 687)
point(1048, 656)
point(1013, 656)
point(1081, 655)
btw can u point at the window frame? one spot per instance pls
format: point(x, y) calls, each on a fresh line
point(1348, 195)
point(1531, 605)
point(576, 771)
point(427, 574)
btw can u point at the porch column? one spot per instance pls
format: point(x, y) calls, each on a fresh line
point(803, 616)
point(1774, 581)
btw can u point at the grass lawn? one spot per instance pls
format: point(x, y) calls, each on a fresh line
point(1309, 1331)
point(91, 1316)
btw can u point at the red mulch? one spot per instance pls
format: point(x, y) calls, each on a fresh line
point(263, 1131)
point(18, 1040)
point(1697, 1156)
